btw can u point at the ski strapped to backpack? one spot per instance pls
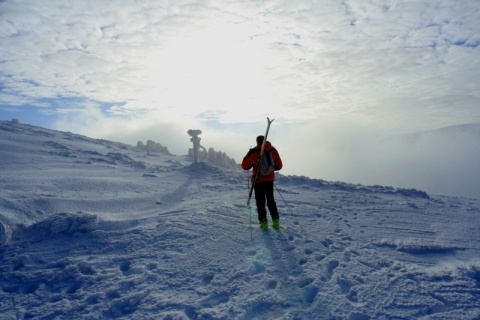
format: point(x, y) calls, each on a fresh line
point(262, 153)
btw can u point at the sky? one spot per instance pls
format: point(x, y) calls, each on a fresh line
point(334, 74)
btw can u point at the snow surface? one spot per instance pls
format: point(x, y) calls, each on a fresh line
point(93, 229)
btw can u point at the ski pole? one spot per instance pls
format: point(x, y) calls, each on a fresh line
point(295, 220)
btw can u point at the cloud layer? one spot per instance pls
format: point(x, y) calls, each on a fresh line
point(297, 61)
point(333, 73)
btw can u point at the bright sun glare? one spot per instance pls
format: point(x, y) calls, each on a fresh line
point(220, 69)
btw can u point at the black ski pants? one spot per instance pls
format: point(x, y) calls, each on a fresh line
point(264, 190)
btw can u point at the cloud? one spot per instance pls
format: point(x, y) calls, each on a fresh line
point(265, 58)
point(334, 74)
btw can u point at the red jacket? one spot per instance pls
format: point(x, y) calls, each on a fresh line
point(253, 156)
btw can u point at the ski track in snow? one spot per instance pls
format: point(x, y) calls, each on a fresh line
point(93, 229)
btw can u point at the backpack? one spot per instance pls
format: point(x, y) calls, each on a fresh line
point(267, 166)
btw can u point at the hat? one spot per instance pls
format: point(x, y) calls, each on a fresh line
point(260, 139)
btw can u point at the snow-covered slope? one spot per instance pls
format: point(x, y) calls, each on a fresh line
point(93, 229)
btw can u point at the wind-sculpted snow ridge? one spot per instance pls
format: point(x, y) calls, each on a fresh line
point(414, 247)
point(29, 130)
point(322, 184)
point(5, 233)
point(66, 223)
point(92, 229)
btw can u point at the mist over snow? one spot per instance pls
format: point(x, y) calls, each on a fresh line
point(443, 161)
point(98, 229)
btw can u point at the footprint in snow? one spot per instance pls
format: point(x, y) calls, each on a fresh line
point(320, 257)
point(308, 251)
point(358, 316)
point(271, 284)
point(207, 279)
point(125, 267)
point(326, 243)
point(303, 282)
point(310, 294)
point(331, 266)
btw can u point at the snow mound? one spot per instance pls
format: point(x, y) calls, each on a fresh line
point(63, 223)
point(415, 247)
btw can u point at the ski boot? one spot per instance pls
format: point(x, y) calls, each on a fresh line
point(276, 224)
point(264, 225)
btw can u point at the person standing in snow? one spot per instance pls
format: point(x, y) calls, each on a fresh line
point(264, 184)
